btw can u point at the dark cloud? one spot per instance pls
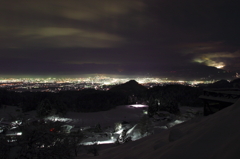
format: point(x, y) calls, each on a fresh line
point(158, 37)
point(62, 23)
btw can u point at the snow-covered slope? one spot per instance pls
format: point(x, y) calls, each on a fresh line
point(214, 137)
point(107, 118)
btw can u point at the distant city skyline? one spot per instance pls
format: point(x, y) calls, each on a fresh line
point(187, 39)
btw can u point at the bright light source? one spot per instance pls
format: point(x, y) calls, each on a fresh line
point(139, 106)
point(56, 118)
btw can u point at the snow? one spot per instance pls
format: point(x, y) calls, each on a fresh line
point(215, 136)
point(130, 114)
point(106, 118)
point(76, 121)
point(8, 112)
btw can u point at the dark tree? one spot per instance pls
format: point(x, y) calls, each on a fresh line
point(40, 140)
point(45, 108)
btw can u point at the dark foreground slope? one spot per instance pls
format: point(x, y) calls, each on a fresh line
point(213, 137)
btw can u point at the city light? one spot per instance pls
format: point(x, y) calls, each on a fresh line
point(104, 83)
point(219, 66)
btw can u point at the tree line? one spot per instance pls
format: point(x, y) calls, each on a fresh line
point(81, 101)
point(167, 98)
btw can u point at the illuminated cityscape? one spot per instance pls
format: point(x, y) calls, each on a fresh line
point(76, 84)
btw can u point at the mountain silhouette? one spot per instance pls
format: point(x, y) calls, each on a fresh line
point(130, 87)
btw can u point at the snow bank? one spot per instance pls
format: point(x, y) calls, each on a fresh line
point(216, 136)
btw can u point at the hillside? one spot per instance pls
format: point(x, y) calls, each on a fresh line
point(215, 136)
point(130, 87)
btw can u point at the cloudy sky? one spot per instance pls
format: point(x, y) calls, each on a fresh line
point(184, 38)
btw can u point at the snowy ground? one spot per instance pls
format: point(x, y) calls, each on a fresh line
point(107, 120)
point(213, 137)
point(7, 112)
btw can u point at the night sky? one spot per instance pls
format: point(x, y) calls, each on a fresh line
point(148, 38)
